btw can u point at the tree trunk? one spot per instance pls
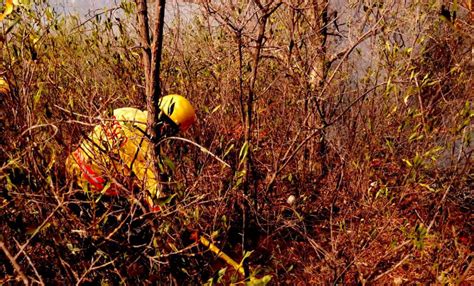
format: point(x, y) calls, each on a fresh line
point(317, 80)
point(152, 50)
point(144, 32)
point(154, 89)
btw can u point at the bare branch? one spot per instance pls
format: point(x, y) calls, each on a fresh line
point(14, 263)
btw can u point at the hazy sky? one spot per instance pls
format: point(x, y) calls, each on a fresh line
point(83, 6)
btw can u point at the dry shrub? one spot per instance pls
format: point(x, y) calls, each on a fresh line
point(377, 155)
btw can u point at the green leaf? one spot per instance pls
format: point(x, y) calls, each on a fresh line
point(382, 191)
point(228, 150)
point(72, 248)
point(409, 164)
point(218, 279)
point(196, 214)
point(214, 234)
point(9, 185)
point(426, 186)
point(167, 161)
point(165, 200)
point(244, 151)
point(405, 98)
point(216, 108)
point(37, 96)
point(259, 281)
point(247, 254)
point(418, 160)
point(413, 136)
point(49, 13)
point(388, 86)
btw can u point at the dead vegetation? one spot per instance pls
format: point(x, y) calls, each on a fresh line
point(347, 128)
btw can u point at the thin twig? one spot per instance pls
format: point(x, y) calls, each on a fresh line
point(437, 210)
point(41, 282)
point(56, 130)
point(88, 270)
point(364, 247)
point(393, 268)
point(14, 263)
point(203, 149)
point(348, 52)
point(94, 16)
point(465, 274)
point(37, 230)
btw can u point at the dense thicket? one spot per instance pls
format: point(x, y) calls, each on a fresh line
point(347, 127)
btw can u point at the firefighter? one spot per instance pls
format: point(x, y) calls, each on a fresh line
point(119, 146)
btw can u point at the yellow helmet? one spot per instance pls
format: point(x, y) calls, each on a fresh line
point(4, 87)
point(179, 110)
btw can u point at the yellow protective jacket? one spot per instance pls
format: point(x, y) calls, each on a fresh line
point(114, 148)
point(4, 87)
